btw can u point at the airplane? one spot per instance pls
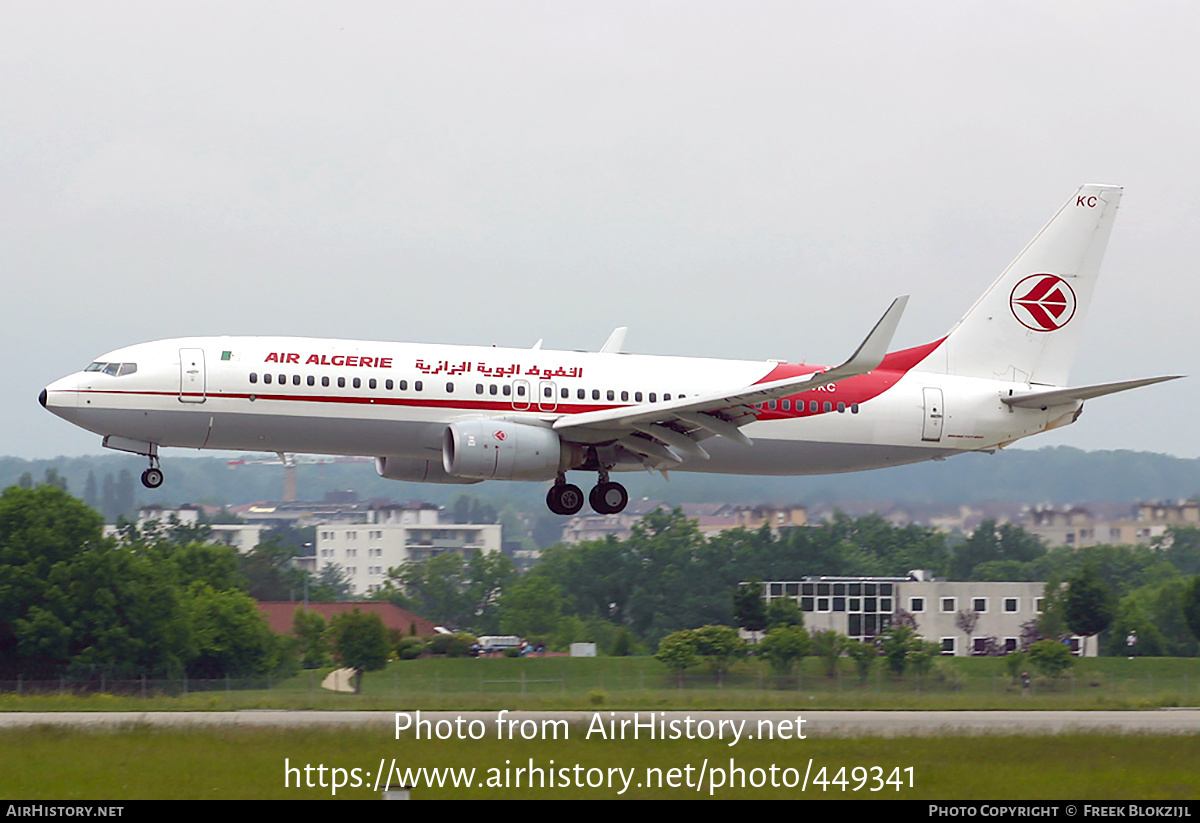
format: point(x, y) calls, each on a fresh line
point(464, 414)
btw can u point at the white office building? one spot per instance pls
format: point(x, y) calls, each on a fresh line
point(864, 607)
point(393, 535)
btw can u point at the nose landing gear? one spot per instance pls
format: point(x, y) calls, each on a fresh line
point(152, 477)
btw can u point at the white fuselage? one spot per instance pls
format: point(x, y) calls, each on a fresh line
point(396, 399)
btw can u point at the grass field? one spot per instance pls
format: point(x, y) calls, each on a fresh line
point(643, 683)
point(141, 763)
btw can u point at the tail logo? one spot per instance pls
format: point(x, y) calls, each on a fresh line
point(1043, 302)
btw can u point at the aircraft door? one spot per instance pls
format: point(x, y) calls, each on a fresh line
point(520, 395)
point(191, 376)
point(547, 399)
point(934, 415)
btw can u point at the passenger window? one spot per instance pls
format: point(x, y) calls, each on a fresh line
point(624, 397)
point(283, 379)
point(520, 391)
point(771, 405)
point(565, 394)
point(612, 395)
point(666, 397)
point(449, 388)
point(358, 383)
point(372, 383)
point(828, 406)
point(388, 384)
point(653, 397)
point(341, 382)
point(479, 388)
point(841, 407)
point(637, 396)
point(854, 408)
point(312, 381)
point(418, 385)
point(325, 382)
point(492, 388)
point(267, 379)
point(403, 385)
point(812, 405)
point(253, 377)
point(547, 391)
point(595, 394)
point(507, 389)
point(581, 394)
point(787, 405)
point(295, 380)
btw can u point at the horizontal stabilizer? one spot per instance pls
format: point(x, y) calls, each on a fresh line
point(1059, 397)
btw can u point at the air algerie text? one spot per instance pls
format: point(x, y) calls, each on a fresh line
point(364, 360)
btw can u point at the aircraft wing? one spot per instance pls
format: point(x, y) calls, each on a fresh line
point(662, 430)
point(1057, 397)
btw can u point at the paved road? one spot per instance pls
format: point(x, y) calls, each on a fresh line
point(816, 723)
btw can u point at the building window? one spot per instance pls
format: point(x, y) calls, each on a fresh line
point(1010, 645)
point(916, 605)
point(949, 604)
point(1039, 604)
point(948, 645)
point(1010, 605)
point(979, 604)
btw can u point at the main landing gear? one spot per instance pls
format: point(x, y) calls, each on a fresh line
point(606, 496)
point(152, 477)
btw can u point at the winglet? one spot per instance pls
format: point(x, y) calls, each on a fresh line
point(615, 341)
point(874, 348)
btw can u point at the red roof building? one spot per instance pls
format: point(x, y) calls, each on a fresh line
point(280, 614)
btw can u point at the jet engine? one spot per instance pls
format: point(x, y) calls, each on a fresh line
point(416, 470)
point(501, 450)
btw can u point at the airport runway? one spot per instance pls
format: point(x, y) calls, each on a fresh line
point(815, 723)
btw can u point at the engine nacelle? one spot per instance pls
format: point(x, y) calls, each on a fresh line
point(416, 470)
point(501, 450)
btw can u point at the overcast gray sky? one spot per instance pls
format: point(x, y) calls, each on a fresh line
point(748, 179)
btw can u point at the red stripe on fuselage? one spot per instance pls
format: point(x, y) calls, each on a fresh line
point(852, 390)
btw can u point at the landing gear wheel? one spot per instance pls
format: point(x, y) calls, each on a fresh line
point(152, 478)
point(564, 498)
point(608, 498)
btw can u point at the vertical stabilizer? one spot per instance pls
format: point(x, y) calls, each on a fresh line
point(1027, 326)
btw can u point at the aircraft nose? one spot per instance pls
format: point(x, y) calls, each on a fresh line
point(42, 398)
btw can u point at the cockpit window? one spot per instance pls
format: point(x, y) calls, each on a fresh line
point(113, 369)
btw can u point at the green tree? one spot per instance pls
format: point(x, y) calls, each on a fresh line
point(532, 607)
point(783, 647)
point(359, 642)
point(269, 572)
point(309, 629)
point(784, 611)
point(1191, 606)
point(677, 651)
point(899, 645)
point(1050, 658)
point(864, 656)
point(719, 646)
point(748, 608)
point(230, 636)
point(1089, 607)
point(829, 646)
